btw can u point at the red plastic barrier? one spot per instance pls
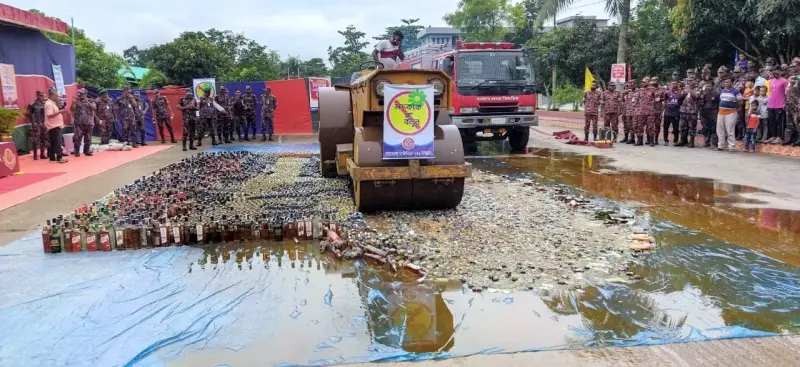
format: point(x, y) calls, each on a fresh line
point(293, 115)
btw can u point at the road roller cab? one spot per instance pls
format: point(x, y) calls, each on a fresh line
point(414, 173)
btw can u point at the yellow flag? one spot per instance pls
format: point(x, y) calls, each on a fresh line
point(589, 78)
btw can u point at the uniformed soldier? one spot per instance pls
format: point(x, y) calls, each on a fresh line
point(652, 105)
point(163, 115)
point(689, 114)
point(83, 111)
point(268, 105)
point(38, 132)
point(105, 116)
point(250, 101)
point(658, 108)
point(126, 112)
point(141, 106)
point(642, 102)
point(591, 103)
point(188, 107)
point(207, 121)
point(239, 118)
point(628, 109)
point(224, 118)
point(611, 104)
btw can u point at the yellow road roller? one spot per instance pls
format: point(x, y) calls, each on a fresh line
point(351, 139)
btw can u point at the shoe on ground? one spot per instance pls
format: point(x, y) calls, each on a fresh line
point(89, 154)
point(174, 142)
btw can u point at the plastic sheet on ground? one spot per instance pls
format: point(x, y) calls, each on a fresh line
point(189, 306)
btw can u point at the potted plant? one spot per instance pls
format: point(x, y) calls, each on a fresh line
point(8, 119)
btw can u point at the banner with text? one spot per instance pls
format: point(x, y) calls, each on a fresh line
point(408, 122)
point(618, 73)
point(314, 84)
point(8, 81)
point(58, 78)
point(204, 87)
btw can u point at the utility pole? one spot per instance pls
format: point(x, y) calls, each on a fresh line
point(72, 25)
point(553, 81)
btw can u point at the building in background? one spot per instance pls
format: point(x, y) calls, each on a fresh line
point(570, 22)
point(438, 38)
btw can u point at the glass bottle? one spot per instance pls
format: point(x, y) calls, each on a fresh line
point(56, 237)
point(46, 231)
point(104, 236)
point(91, 237)
point(74, 235)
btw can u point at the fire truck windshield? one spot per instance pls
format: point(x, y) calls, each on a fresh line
point(490, 68)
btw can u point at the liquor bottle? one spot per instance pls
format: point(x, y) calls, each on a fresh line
point(120, 234)
point(301, 229)
point(195, 232)
point(46, 232)
point(56, 237)
point(177, 234)
point(266, 228)
point(91, 237)
point(74, 235)
point(309, 232)
point(227, 229)
point(150, 234)
point(134, 241)
point(105, 239)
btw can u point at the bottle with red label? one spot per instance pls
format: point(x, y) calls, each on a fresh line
point(74, 238)
point(104, 239)
point(91, 238)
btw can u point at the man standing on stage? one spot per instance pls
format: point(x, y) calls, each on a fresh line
point(105, 116)
point(126, 112)
point(188, 107)
point(163, 115)
point(268, 105)
point(250, 101)
point(83, 121)
point(38, 133)
point(239, 119)
point(224, 119)
point(141, 106)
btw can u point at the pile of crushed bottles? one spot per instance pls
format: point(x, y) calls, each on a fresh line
point(209, 198)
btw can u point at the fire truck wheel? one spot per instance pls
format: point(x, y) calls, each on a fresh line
point(518, 138)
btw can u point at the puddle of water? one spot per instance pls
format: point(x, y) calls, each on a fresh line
point(699, 204)
point(266, 304)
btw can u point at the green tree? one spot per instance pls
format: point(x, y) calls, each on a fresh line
point(757, 29)
point(617, 8)
point(655, 50)
point(409, 28)
point(347, 58)
point(191, 55)
point(94, 66)
point(315, 67)
point(481, 20)
point(522, 18)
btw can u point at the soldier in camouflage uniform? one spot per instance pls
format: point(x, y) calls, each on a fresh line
point(658, 108)
point(792, 113)
point(141, 106)
point(239, 119)
point(83, 110)
point(250, 102)
point(126, 112)
point(652, 107)
point(268, 105)
point(105, 116)
point(689, 114)
point(641, 111)
point(628, 112)
point(611, 103)
point(163, 115)
point(591, 102)
point(38, 132)
point(188, 107)
point(224, 119)
point(207, 121)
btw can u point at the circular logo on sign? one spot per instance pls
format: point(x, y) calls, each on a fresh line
point(9, 159)
point(408, 144)
point(409, 112)
point(204, 89)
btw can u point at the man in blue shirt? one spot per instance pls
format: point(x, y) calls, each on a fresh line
point(730, 99)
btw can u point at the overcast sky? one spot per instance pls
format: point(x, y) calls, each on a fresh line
point(303, 28)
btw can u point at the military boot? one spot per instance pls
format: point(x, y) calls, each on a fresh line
point(35, 154)
point(639, 140)
point(594, 136)
point(625, 139)
point(585, 136)
point(184, 145)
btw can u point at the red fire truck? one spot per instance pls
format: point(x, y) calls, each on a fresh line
point(494, 96)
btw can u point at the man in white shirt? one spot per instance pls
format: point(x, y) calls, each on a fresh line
point(54, 122)
point(387, 52)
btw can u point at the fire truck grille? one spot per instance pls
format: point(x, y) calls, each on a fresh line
point(497, 108)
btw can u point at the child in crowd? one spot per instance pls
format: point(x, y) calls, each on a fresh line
point(763, 103)
point(753, 120)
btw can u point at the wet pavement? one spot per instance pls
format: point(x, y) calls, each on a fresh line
point(719, 271)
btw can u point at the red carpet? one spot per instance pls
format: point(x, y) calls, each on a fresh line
point(14, 182)
point(46, 176)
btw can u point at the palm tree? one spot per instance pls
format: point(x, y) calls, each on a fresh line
point(152, 78)
point(615, 8)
